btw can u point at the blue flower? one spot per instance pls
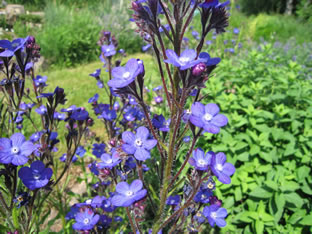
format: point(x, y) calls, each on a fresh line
point(80, 114)
point(127, 195)
point(22, 199)
point(215, 215)
point(98, 149)
point(109, 161)
point(85, 220)
point(221, 169)
point(200, 160)
point(41, 110)
point(36, 176)
point(207, 60)
point(96, 74)
point(94, 98)
point(146, 47)
point(12, 47)
point(207, 117)
point(59, 116)
point(203, 196)
point(213, 3)
point(236, 31)
point(173, 200)
point(107, 114)
point(160, 122)
point(185, 61)
point(108, 50)
point(15, 150)
point(139, 145)
point(40, 81)
point(123, 76)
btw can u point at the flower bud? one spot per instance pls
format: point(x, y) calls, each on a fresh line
point(198, 69)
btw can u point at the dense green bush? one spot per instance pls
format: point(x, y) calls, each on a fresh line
point(254, 7)
point(304, 10)
point(269, 139)
point(69, 37)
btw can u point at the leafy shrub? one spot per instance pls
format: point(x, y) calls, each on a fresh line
point(74, 34)
point(254, 7)
point(270, 116)
point(304, 10)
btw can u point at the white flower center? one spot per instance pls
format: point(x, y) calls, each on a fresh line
point(207, 117)
point(201, 162)
point(213, 215)
point(126, 75)
point(129, 193)
point(219, 167)
point(86, 221)
point(36, 176)
point(109, 161)
point(184, 60)
point(88, 201)
point(188, 112)
point(138, 142)
point(210, 185)
point(15, 150)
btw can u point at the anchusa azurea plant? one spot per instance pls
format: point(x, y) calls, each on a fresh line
point(150, 176)
point(29, 170)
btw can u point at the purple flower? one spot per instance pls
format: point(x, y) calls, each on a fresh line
point(158, 99)
point(236, 31)
point(35, 176)
point(208, 42)
point(41, 110)
point(36, 136)
point(22, 199)
point(127, 195)
point(69, 109)
point(158, 88)
point(15, 150)
point(207, 60)
point(199, 217)
point(12, 47)
point(200, 160)
point(98, 149)
point(195, 34)
point(108, 50)
point(138, 144)
point(94, 98)
point(40, 81)
point(185, 61)
point(59, 116)
point(203, 196)
point(64, 157)
point(80, 114)
point(146, 47)
point(85, 220)
point(109, 161)
point(173, 200)
point(215, 215)
point(107, 113)
point(221, 169)
point(96, 74)
point(123, 76)
point(213, 3)
point(207, 117)
point(160, 122)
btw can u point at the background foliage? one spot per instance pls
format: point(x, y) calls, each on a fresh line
point(268, 103)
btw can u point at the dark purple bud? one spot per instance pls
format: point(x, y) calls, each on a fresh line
point(215, 201)
point(198, 69)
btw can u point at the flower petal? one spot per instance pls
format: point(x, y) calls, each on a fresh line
point(5, 145)
point(220, 222)
point(197, 121)
point(219, 120)
point(129, 149)
point(141, 154)
point(128, 137)
point(118, 72)
point(228, 169)
point(150, 144)
point(198, 109)
point(220, 158)
point(37, 165)
point(132, 66)
point(223, 178)
point(208, 127)
point(122, 188)
point(142, 133)
point(136, 186)
point(221, 213)
point(191, 54)
point(118, 200)
point(212, 108)
point(17, 139)
point(27, 148)
point(19, 160)
point(172, 58)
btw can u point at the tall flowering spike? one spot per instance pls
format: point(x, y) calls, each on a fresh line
point(126, 195)
point(123, 76)
point(85, 220)
point(36, 176)
point(200, 160)
point(15, 150)
point(221, 169)
point(185, 61)
point(215, 215)
point(207, 117)
point(139, 145)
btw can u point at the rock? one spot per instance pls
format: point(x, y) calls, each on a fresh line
point(12, 11)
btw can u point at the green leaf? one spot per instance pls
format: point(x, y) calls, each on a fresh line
point(289, 186)
point(294, 198)
point(238, 194)
point(298, 215)
point(279, 201)
point(272, 185)
point(303, 172)
point(260, 193)
point(244, 157)
point(15, 215)
point(254, 149)
point(306, 188)
point(290, 149)
point(307, 220)
point(240, 145)
point(259, 226)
